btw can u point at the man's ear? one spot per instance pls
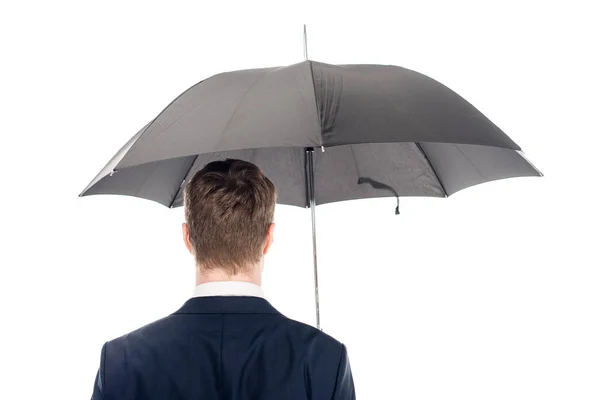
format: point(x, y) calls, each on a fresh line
point(269, 238)
point(186, 237)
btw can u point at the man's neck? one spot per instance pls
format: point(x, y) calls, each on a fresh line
point(217, 275)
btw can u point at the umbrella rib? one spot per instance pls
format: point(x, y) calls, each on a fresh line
point(431, 166)
point(184, 178)
point(157, 117)
point(237, 106)
point(314, 85)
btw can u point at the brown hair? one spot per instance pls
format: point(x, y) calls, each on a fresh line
point(229, 206)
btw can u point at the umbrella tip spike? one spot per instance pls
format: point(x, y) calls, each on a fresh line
point(305, 45)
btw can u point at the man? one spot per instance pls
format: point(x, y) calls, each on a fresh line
point(227, 342)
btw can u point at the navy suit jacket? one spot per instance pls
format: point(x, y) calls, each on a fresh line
point(226, 348)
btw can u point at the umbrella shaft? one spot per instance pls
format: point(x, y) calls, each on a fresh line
point(311, 194)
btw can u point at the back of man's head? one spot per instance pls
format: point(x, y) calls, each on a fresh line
point(229, 207)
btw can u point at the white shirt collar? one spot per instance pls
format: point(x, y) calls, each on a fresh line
point(228, 288)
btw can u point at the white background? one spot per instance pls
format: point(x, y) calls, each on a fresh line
point(490, 294)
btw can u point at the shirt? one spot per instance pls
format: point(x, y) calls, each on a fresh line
point(228, 288)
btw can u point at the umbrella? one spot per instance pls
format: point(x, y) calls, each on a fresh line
point(322, 133)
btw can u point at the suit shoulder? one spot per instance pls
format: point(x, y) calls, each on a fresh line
point(155, 328)
point(312, 334)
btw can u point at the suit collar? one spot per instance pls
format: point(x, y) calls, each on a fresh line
point(227, 305)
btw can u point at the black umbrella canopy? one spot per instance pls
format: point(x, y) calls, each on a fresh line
point(376, 131)
point(322, 133)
